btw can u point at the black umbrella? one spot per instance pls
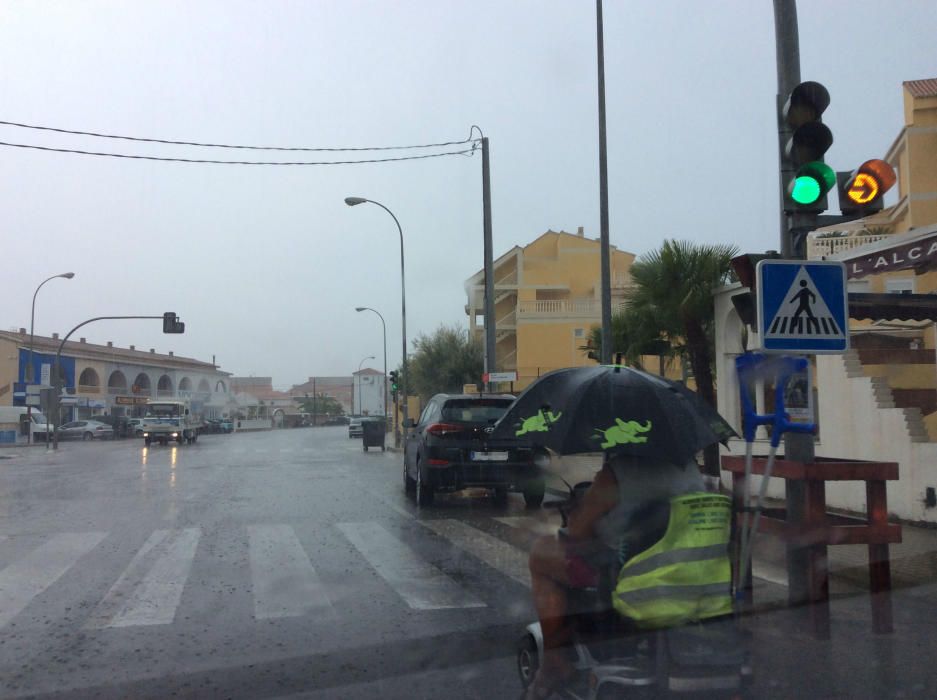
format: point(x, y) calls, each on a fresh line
point(615, 409)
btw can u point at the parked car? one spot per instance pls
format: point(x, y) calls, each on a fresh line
point(218, 425)
point(85, 430)
point(448, 450)
point(354, 427)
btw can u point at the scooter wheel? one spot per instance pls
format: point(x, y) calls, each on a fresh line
point(528, 659)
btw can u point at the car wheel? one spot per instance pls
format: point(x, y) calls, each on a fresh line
point(87, 436)
point(409, 485)
point(533, 493)
point(424, 491)
point(500, 496)
point(146, 442)
point(528, 659)
point(364, 447)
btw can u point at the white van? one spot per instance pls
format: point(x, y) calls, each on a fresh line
point(12, 415)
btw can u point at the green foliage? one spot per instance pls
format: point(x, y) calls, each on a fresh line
point(444, 361)
point(322, 405)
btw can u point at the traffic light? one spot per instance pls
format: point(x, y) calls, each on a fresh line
point(393, 383)
point(810, 139)
point(171, 324)
point(861, 191)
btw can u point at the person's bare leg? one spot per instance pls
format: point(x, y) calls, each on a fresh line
point(549, 582)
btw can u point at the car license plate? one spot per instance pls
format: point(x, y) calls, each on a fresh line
point(490, 456)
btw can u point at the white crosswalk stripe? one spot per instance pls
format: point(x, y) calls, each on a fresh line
point(23, 580)
point(150, 588)
point(530, 524)
point(284, 582)
point(498, 554)
point(421, 585)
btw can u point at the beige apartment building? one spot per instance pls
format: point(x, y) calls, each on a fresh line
point(547, 298)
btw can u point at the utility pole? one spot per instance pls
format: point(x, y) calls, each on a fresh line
point(606, 351)
point(315, 404)
point(490, 321)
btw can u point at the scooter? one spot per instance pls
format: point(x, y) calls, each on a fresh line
point(614, 660)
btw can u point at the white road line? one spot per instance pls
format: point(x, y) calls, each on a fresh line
point(23, 580)
point(533, 525)
point(500, 555)
point(286, 449)
point(150, 588)
point(419, 583)
point(284, 582)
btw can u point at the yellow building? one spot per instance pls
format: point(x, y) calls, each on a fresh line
point(547, 298)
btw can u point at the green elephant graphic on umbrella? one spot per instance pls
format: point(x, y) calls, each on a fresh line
point(623, 433)
point(539, 423)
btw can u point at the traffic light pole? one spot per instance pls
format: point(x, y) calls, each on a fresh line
point(797, 446)
point(56, 378)
point(490, 320)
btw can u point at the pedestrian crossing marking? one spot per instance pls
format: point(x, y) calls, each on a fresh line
point(421, 584)
point(285, 584)
point(496, 553)
point(23, 580)
point(150, 588)
point(804, 312)
point(530, 524)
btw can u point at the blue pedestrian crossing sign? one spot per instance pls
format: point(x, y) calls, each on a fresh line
point(802, 306)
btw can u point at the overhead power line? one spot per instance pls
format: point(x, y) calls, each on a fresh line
point(200, 144)
point(422, 156)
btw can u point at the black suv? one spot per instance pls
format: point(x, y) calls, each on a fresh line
point(448, 449)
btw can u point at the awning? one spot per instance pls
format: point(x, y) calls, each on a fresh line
point(888, 307)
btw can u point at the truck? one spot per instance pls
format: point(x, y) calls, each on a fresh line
point(17, 415)
point(167, 420)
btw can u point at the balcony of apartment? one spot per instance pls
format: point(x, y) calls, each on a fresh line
point(559, 308)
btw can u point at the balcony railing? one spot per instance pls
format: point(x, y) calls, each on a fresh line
point(564, 307)
point(817, 246)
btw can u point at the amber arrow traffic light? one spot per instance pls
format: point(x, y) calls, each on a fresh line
point(862, 190)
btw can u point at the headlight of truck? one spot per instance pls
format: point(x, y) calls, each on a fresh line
point(175, 434)
point(146, 435)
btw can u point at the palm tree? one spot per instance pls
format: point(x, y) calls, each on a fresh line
point(635, 335)
point(673, 286)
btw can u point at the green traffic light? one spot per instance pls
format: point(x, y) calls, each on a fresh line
point(806, 190)
point(813, 180)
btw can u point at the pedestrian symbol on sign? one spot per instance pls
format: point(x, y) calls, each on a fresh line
point(803, 300)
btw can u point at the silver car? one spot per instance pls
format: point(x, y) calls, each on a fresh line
point(85, 430)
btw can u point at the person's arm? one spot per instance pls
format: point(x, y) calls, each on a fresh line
point(600, 498)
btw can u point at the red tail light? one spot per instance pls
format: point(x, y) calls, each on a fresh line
point(443, 429)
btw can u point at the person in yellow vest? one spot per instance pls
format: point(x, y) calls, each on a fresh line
point(606, 526)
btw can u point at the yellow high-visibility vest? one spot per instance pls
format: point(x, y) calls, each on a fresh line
point(686, 575)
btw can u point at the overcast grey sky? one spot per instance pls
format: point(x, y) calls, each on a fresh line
point(266, 265)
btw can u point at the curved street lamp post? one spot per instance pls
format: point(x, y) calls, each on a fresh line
point(355, 201)
point(30, 365)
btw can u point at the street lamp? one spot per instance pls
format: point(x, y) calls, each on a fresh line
point(355, 201)
point(359, 309)
point(369, 357)
point(30, 366)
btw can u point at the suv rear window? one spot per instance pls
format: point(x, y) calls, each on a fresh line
point(474, 410)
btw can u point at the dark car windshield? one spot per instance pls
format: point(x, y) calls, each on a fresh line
point(475, 410)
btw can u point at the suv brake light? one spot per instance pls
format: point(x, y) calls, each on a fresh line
point(443, 429)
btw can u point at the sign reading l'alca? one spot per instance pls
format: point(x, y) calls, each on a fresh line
point(920, 253)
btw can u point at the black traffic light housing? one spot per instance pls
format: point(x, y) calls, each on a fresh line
point(171, 324)
point(809, 141)
point(393, 383)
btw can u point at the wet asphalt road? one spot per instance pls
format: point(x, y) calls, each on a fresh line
point(290, 564)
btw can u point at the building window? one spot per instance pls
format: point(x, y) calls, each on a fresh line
point(904, 285)
point(578, 333)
